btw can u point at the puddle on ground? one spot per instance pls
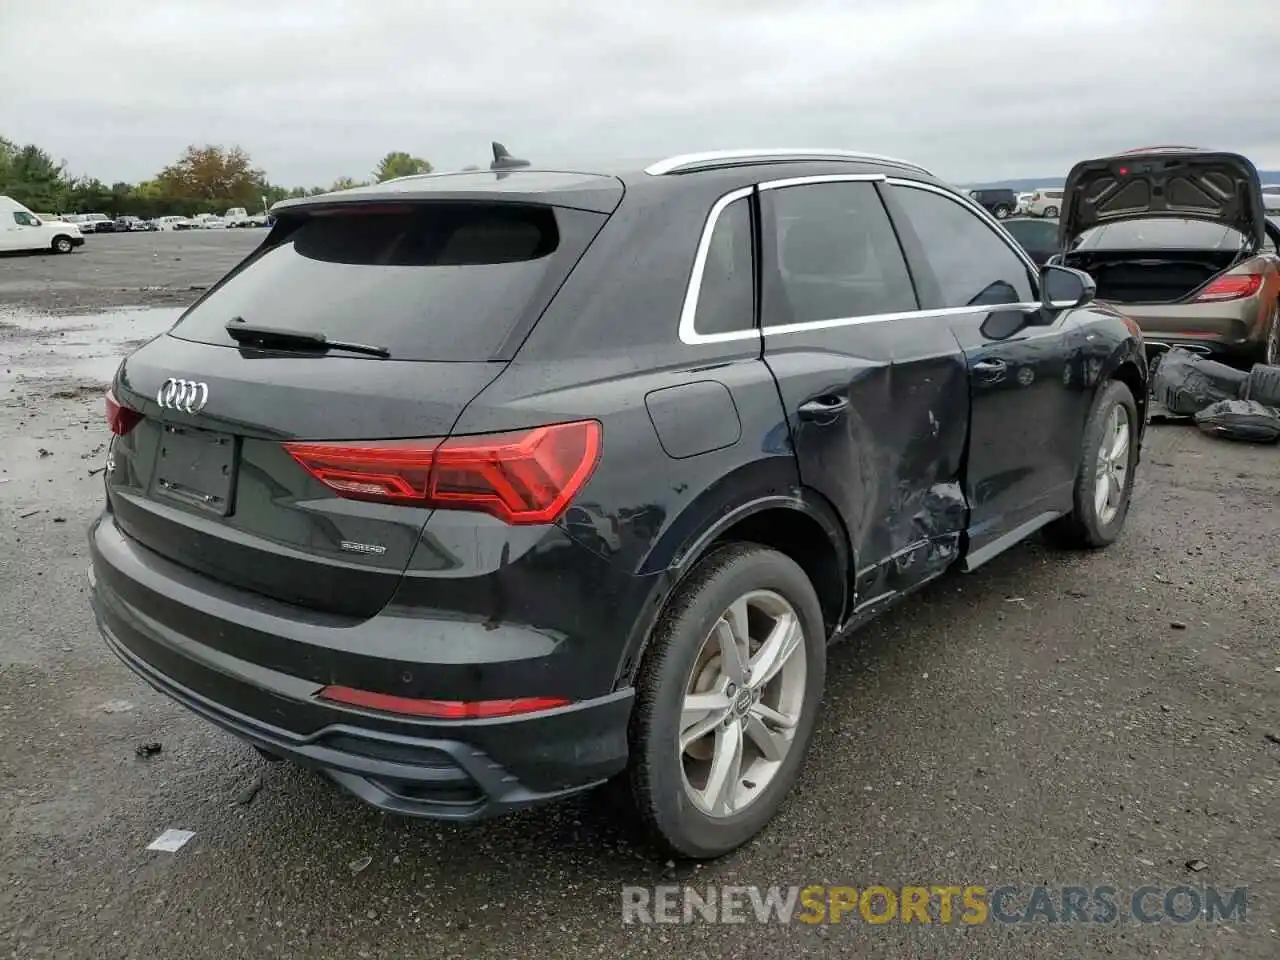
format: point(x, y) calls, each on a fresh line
point(72, 355)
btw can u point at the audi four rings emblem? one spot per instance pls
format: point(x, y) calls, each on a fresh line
point(189, 396)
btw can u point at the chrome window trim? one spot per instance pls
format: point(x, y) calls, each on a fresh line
point(823, 178)
point(690, 336)
point(694, 289)
point(687, 160)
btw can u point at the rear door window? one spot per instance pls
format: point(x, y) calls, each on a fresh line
point(440, 280)
point(836, 255)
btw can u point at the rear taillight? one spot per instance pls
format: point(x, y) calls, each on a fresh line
point(1230, 287)
point(522, 477)
point(440, 709)
point(120, 419)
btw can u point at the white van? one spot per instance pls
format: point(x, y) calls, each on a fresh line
point(20, 229)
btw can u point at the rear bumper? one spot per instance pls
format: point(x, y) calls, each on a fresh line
point(1207, 329)
point(452, 770)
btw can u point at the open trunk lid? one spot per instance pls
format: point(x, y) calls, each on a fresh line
point(1181, 182)
point(200, 470)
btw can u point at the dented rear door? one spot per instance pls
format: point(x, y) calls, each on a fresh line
point(874, 388)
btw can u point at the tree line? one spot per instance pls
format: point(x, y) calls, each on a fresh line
point(205, 179)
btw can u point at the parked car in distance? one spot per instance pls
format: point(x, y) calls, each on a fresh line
point(1000, 202)
point(642, 500)
point(1023, 200)
point(167, 223)
point(128, 224)
point(1044, 203)
point(1178, 239)
point(22, 230)
point(97, 223)
point(1038, 236)
point(208, 221)
point(1271, 198)
point(240, 217)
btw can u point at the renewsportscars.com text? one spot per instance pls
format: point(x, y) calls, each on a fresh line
point(935, 904)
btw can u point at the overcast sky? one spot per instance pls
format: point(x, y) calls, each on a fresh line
point(317, 89)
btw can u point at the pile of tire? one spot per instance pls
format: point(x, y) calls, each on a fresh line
point(1223, 401)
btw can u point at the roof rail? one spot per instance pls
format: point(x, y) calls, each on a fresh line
point(723, 158)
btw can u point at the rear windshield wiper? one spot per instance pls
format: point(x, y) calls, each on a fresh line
point(252, 334)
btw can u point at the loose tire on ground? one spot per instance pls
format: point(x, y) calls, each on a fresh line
point(1263, 385)
point(1095, 521)
point(660, 787)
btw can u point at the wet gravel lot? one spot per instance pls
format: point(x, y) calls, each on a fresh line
point(1053, 719)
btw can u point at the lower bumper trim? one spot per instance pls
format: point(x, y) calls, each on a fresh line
point(431, 778)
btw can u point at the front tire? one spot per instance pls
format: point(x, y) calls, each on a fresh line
point(726, 701)
point(1002, 212)
point(1104, 477)
point(62, 244)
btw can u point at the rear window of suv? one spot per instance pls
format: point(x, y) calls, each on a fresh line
point(1161, 234)
point(439, 280)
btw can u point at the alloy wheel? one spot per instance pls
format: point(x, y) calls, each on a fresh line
point(742, 703)
point(1113, 466)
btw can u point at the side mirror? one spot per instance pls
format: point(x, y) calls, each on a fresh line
point(1062, 288)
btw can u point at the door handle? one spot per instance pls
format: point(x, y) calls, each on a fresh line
point(990, 369)
point(823, 409)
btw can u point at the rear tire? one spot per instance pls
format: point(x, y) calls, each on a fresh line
point(62, 244)
point(1104, 477)
point(1050, 211)
point(1271, 344)
point(673, 767)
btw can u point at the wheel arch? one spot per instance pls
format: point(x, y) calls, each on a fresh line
point(799, 523)
point(1128, 364)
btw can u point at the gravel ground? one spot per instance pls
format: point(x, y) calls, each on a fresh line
point(1054, 719)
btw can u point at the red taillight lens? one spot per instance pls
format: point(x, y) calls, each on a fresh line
point(527, 476)
point(440, 709)
point(120, 419)
point(1231, 287)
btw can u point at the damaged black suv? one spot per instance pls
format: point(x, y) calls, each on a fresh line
point(476, 490)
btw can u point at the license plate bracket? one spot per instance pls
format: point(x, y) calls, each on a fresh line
point(196, 467)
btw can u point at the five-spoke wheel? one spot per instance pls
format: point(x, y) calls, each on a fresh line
point(742, 703)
